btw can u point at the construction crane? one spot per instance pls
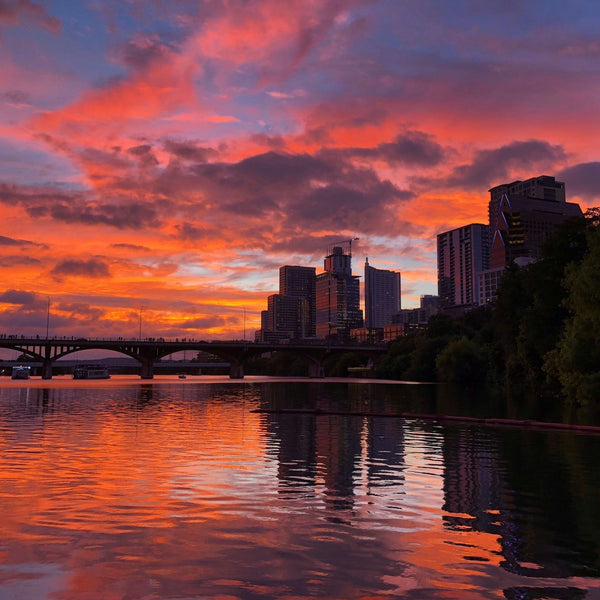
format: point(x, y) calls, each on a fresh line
point(343, 242)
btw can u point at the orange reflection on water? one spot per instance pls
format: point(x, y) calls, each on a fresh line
point(169, 490)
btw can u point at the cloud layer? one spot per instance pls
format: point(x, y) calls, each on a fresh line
point(173, 156)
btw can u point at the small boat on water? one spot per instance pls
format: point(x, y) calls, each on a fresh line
point(181, 375)
point(20, 372)
point(90, 372)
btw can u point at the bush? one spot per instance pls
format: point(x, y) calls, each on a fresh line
point(461, 361)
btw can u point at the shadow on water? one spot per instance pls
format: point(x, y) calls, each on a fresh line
point(434, 399)
point(534, 491)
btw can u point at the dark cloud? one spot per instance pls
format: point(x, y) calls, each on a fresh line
point(411, 148)
point(582, 180)
point(133, 247)
point(18, 297)
point(491, 167)
point(189, 151)
point(6, 241)
point(93, 268)
point(14, 260)
point(144, 155)
point(140, 150)
point(296, 191)
point(275, 142)
point(257, 207)
point(341, 207)
point(187, 231)
point(135, 215)
point(28, 195)
point(254, 186)
point(278, 168)
point(16, 97)
point(318, 135)
point(114, 160)
point(77, 207)
point(54, 142)
point(144, 50)
point(22, 320)
point(202, 323)
point(81, 311)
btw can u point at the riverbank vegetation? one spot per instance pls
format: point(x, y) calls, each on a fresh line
point(540, 338)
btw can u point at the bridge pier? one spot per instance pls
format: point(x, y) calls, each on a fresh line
point(147, 370)
point(315, 369)
point(236, 369)
point(47, 368)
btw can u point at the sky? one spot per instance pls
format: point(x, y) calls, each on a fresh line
point(160, 160)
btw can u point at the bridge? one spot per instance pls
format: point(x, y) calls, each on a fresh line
point(149, 351)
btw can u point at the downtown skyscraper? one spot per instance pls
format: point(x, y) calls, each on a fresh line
point(382, 296)
point(338, 296)
point(522, 215)
point(462, 254)
point(290, 314)
point(300, 283)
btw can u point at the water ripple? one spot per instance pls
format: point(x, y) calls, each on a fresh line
point(157, 492)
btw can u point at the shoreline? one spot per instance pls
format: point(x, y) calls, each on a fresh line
point(67, 380)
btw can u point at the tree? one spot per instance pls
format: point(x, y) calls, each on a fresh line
point(461, 361)
point(576, 359)
point(530, 314)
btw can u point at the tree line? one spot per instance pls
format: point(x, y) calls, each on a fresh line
point(541, 337)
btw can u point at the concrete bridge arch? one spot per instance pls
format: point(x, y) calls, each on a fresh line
point(147, 352)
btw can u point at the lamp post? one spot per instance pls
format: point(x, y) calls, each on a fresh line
point(140, 323)
point(48, 318)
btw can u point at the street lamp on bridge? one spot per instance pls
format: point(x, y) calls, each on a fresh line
point(48, 318)
point(140, 322)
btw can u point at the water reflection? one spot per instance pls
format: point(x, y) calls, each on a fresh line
point(184, 491)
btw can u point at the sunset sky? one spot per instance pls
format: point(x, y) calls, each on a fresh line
point(165, 158)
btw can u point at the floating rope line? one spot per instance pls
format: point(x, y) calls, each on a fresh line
point(494, 422)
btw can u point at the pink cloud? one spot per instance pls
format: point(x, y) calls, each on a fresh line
point(19, 12)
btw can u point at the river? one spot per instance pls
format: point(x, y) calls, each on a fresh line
point(203, 489)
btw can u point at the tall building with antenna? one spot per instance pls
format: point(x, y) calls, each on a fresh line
point(338, 294)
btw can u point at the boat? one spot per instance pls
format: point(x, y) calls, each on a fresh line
point(90, 372)
point(20, 372)
point(181, 375)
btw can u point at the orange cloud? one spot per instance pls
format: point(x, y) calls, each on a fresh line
point(164, 87)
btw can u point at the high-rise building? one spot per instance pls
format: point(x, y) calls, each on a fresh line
point(300, 282)
point(462, 254)
point(522, 216)
point(382, 296)
point(338, 296)
point(291, 314)
point(285, 315)
point(543, 187)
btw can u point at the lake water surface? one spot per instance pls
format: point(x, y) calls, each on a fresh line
point(180, 490)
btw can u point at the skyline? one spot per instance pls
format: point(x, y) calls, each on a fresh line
point(170, 157)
